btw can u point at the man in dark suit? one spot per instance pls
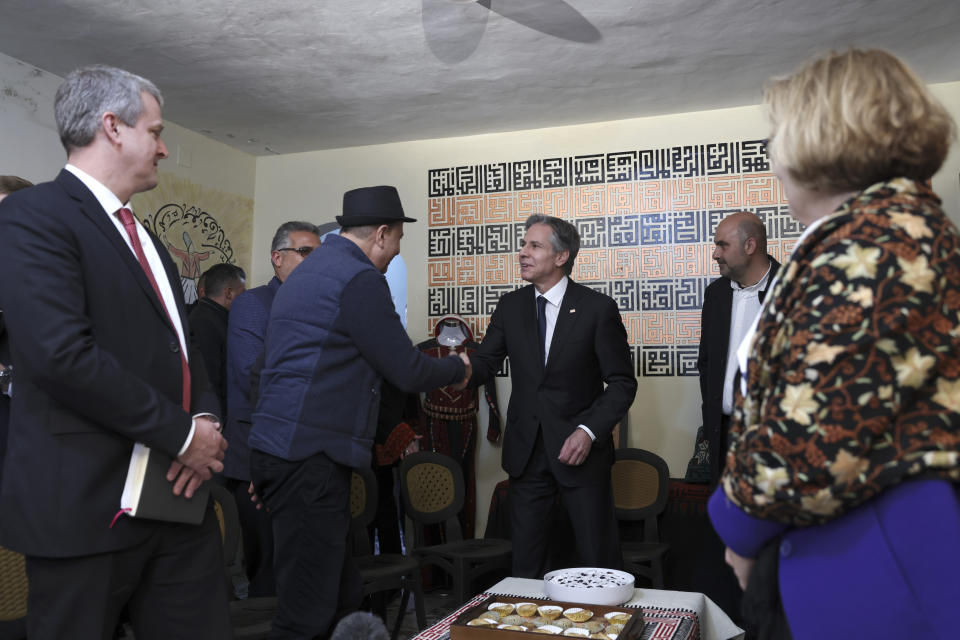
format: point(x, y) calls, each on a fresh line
point(565, 343)
point(208, 322)
point(8, 184)
point(740, 249)
point(730, 305)
point(247, 329)
point(97, 326)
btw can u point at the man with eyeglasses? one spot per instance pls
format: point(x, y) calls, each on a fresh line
point(247, 328)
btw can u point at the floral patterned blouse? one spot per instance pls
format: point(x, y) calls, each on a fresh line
point(853, 383)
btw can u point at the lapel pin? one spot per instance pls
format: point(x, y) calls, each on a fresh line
point(573, 310)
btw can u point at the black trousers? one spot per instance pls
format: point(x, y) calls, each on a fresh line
point(257, 540)
point(309, 506)
point(590, 508)
point(173, 584)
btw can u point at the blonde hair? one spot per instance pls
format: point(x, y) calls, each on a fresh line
point(847, 120)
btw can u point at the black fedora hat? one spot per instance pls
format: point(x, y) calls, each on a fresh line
point(372, 205)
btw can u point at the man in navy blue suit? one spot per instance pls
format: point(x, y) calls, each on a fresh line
point(247, 329)
point(98, 332)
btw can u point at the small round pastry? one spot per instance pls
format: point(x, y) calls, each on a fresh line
point(503, 608)
point(614, 628)
point(526, 609)
point(577, 614)
point(563, 623)
point(492, 615)
point(539, 621)
point(511, 627)
point(512, 619)
point(593, 626)
point(550, 611)
point(617, 617)
point(576, 632)
point(481, 622)
point(549, 629)
point(600, 636)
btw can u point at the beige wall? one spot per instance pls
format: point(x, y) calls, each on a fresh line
point(211, 177)
point(30, 148)
point(665, 414)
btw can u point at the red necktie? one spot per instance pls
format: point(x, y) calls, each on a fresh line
point(126, 217)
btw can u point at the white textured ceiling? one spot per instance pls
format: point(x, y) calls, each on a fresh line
point(295, 75)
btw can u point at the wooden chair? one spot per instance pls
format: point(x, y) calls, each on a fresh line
point(385, 571)
point(229, 520)
point(640, 484)
point(250, 618)
point(13, 595)
point(432, 489)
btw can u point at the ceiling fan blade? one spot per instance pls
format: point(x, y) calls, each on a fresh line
point(553, 17)
point(453, 29)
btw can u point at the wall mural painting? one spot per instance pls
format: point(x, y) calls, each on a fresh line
point(200, 227)
point(646, 220)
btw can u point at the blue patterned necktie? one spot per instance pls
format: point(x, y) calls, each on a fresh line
point(542, 326)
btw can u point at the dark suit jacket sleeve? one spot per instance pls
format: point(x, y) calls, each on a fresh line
point(488, 358)
point(56, 342)
point(616, 371)
point(245, 334)
point(207, 339)
point(703, 357)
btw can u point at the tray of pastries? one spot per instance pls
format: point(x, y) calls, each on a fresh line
point(509, 617)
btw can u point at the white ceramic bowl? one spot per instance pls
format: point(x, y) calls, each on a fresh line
point(589, 585)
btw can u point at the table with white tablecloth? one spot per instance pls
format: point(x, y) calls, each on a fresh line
point(669, 615)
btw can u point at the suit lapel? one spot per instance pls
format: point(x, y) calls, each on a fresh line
point(566, 319)
point(723, 323)
point(172, 276)
point(91, 208)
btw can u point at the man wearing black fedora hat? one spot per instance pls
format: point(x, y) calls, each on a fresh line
point(333, 336)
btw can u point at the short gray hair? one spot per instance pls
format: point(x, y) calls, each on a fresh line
point(282, 237)
point(565, 237)
point(89, 92)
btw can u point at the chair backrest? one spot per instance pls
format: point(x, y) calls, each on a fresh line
point(363, 509)
point(432, 490)
point(640, 487)
point(363, 497)
point(228, 518)
point(13, 585)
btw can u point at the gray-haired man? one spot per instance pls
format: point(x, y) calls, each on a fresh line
point(292, 242)
point(99, 333)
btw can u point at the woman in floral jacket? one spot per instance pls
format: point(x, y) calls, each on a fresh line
point(843, 468)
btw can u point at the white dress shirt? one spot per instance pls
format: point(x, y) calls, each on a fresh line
point(745, 307)
point(554, 297)
point(111, 204)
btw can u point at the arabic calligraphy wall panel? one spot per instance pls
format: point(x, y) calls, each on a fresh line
point(646, 220)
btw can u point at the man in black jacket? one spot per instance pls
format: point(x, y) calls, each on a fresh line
point(573, 382)
point(730, 305)
point(208, 323)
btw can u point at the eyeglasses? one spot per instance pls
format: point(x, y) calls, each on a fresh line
point(303, 251)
